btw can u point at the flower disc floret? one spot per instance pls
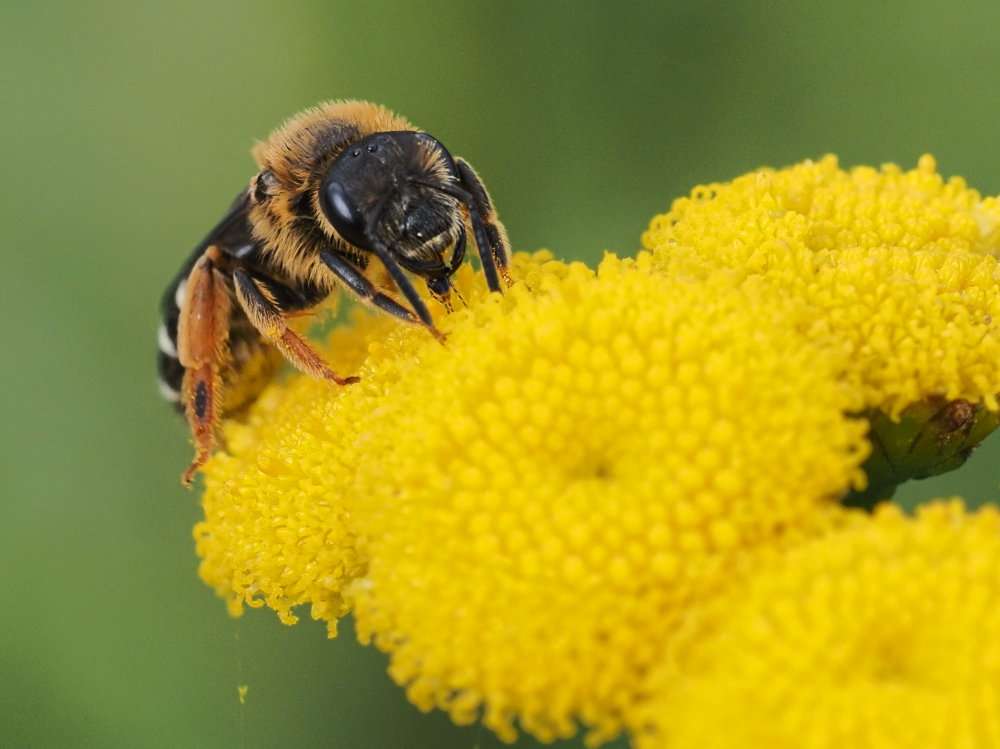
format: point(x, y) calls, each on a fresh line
point(886, 633)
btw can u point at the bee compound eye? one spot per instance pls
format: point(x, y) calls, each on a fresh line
point(342, 213)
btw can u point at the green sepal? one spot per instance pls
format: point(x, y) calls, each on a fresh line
point(928, 438)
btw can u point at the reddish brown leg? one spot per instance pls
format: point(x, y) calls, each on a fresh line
point(265, 315)
point(202, 333)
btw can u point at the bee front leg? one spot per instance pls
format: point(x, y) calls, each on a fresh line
point(268, 318)
point(494, 252)
point(202, 334)
point(363, 288)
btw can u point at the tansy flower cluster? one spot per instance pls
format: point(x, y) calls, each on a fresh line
point(570, 513)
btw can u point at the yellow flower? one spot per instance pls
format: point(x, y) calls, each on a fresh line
point(521, 516)
point(533, 516)
point(896, 266)
point(884, 634)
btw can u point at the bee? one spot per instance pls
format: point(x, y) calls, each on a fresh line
point(347, 196)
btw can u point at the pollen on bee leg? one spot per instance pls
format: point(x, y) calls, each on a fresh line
point(505, 273)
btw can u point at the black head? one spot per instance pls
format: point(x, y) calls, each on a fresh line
point(397, 192)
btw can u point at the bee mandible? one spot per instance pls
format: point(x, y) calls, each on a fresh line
point(348, 196)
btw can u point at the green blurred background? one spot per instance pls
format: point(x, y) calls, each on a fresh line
point(126, 129)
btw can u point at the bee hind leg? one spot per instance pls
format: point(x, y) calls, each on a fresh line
point(202, 332)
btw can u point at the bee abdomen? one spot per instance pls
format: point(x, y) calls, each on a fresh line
point(168, 363)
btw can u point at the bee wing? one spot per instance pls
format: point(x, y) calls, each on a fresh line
point(233, 236)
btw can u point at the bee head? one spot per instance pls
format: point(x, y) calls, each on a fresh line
point(399, 190)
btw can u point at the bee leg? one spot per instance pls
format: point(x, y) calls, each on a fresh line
point(363, 288)
point(202, 333)
point(486, 226)
point(268, 318)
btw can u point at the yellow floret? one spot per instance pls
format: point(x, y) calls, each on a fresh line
point(886, 634)
point(899, 266)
